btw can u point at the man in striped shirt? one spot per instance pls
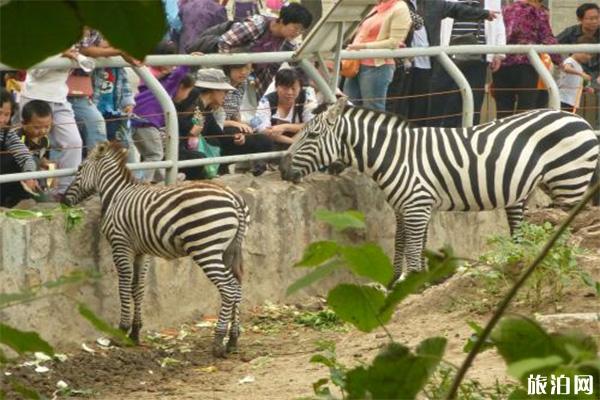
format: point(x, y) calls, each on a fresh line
point(446, 109)
point(260, 33)
point(14, 155)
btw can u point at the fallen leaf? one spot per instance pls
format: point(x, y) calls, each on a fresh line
point(104, 342)
point(87, 348)
point(41, 369)
point(247, 379)
point(210, 368)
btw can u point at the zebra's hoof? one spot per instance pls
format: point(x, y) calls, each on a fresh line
point(218, 350)
point(231, 345)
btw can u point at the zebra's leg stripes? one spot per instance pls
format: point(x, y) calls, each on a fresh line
point(230, 291)
point(514, 214)
point(416, 220)
point(140, 267)
point(123, 259)
point(399, 246)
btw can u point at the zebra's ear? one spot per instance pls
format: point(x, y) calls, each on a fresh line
point(334, 112)
point(101, 149)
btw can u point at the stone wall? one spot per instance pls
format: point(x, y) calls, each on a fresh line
point(37, 251)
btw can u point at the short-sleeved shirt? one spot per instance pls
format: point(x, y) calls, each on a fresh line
point(569, 85)
point(264, 113)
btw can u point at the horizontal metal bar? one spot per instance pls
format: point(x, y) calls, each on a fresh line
point(278, 57)
point(21, 176)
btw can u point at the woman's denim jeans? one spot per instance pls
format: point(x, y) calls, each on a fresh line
point(371, 84)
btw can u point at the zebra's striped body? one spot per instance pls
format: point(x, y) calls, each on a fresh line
point(202, 220)
point(490, 166)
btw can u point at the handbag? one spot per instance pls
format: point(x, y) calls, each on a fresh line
point(349, 68)
point(468, 39)
point(80, 85)
point(211, 170)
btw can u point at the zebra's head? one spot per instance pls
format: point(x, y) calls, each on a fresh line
point(87, 179)
point(316, 147)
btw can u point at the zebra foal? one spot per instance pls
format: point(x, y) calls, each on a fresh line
point(489, 166)
point(202, 220)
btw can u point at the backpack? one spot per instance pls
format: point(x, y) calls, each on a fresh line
point(208, 40)
point(298, 107)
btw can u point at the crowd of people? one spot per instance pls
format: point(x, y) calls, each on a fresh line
point(49, 118)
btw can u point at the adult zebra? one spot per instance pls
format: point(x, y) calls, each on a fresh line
point(203, 220)
point(489, 166)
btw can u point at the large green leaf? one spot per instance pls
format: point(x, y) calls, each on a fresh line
point(23, 341)
point(8, 299)
point(135, 26)
point(32, 30)
point(416, 280)
point(317, 253)
point(518, 338)
point(103, 326)
point(370, 261)
point(396, 373)
point(314, 276)
point(358, 305)
point(342, 220)
point(520, 369)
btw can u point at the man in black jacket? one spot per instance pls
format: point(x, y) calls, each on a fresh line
point(415, 78)
point(588, 15)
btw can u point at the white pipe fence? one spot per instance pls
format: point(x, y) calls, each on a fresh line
point(172, 163)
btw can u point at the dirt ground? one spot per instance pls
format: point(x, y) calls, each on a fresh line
point(273, 360)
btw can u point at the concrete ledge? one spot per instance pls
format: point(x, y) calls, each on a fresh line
point(38, 251)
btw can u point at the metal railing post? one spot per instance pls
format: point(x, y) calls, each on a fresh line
point(171, 123)
point(322, 84)
point(338, 53)
point(546, 76)
point(465, 88)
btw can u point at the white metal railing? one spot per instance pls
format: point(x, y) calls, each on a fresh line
point(171, 162)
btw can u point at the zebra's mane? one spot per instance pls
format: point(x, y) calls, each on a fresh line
point(324, 106)
point(115, 151)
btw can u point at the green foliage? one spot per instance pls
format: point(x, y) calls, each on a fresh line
point(438, 386)
point(73, 215)
point(558, 270)
point(396, 373)
point(134, 26)
point(337, 371)
point(341, 221)
point(321, 320)
point(103, 326)
point(23, 341)
point(358, 304)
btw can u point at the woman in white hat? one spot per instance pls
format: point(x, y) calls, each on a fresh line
point(201, 114)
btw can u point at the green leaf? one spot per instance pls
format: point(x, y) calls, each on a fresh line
point(518, 338)
point(31, 31)
point(23, 341)
point(71, 278)
point(103, 326)
point(319, 389)
point(321, 359)
point(317, 253)
point(342, 220)
point(521, 369)
point(395, 372)
point(370, 261)
point(589, 281)
point(488, 344)
point(358, 305)
point(518, 394)
point(314, 276)
point(414, 281)
point(23, 214)
point(6, 299)
point(135, 26)
point(24, 391)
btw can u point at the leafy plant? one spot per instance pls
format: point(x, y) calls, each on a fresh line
point(558, 270)
point(134, 26)
point(321, 320)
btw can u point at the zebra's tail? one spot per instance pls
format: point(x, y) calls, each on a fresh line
point(232, 258)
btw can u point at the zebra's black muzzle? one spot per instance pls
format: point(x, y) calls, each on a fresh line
point(288, 173)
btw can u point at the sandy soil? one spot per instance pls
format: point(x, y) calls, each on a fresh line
point(275, 350)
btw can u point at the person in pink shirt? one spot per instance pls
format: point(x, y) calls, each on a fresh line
point(527, 22)
point(385, 27)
